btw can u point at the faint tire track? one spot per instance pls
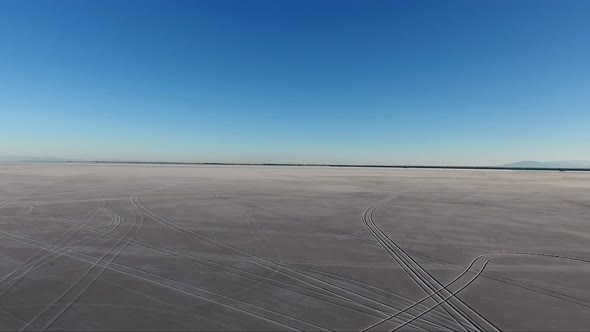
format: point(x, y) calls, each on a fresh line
point(271, 266)
point(381, 313)
point(179, 287)
point(301, 221)
point(26, 209)
point(240, 273)
point(32, 266)
point(22, 270)
point(10, 201)
point(186, 310)
point(385, 294)
point(50, 318)
point(227, 298)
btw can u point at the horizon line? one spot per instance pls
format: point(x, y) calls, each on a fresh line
point(457, 167)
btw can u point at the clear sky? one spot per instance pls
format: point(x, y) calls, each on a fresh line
point(389, 82)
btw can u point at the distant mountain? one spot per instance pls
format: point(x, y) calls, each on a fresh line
point(551, 164)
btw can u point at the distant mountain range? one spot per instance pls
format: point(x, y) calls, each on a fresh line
point(521, 164)
point(550, 164)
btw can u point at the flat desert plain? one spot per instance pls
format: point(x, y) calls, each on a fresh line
point(152, 247)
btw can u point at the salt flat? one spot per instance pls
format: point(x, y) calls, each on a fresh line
point(147, 247)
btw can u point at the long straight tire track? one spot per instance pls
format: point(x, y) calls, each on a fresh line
point(196, 259)
point(240, 273)
point(376, 291)
point(269, 265)
point(177, 286)
point(378, 313)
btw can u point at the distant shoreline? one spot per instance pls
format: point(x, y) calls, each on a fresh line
point(562, 169)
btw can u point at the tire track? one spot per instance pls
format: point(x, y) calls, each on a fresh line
point(490, 257)
point(420, 276)
point(518, 283)
point(187, 311)
point(10, 201)
point(251, 257)
point(294, 319)
point(30, 193)
point(26, 267)
point(248, 275)
point(330, 298)
point(124, 306)
point(382, 240)
point(301, 221)
point(113, 224)
point(244, 274)
point(255, 232)
point(428, 309)
point(335, 290)
point(29, 208)
point(47, 317)
point(179, 287)
point(26, 209)
point(376, 291)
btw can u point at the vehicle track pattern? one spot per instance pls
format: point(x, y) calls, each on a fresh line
point(10, 279)
point(67, 250)
point(213, 250)
point(483, 261)
point(421, 277)
point(314, 293)
point(190, 290)
point(304, 278)
point(52, 312)
point(445, 294)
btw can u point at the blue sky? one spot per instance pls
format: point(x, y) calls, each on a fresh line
point(389, 82)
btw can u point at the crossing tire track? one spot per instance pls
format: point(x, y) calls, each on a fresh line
point(113, 224)
point(420, 276)
point(385, 294)
point(488, 257)
point(26, 267)
point(133, 230)
point(245, 274)
point(180, 287)
point(336, 290)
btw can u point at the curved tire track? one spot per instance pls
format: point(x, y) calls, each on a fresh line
point(490, 257)
point(18, 273)
point(420, 276)
point(92, 274)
